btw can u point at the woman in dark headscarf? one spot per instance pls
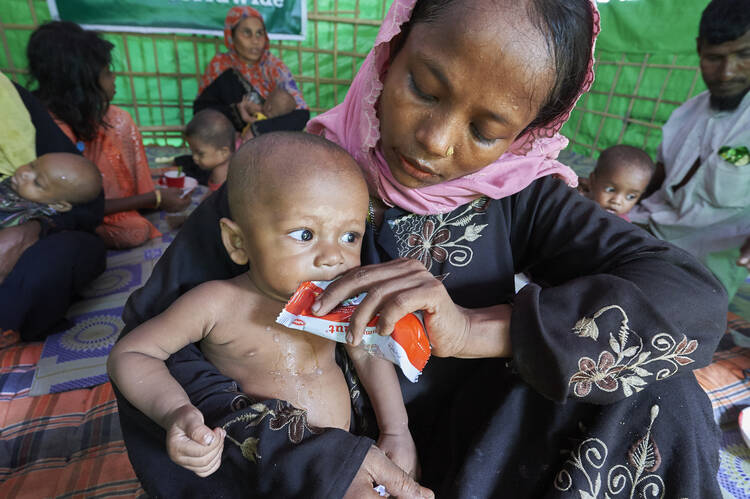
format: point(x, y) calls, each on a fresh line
point(239, 81)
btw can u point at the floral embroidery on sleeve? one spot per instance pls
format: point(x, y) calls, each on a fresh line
point(626, 364)
point(636, 478)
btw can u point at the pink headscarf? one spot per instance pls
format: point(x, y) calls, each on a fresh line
point(354, 125)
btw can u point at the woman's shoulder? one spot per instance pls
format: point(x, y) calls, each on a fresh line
point(117, 115)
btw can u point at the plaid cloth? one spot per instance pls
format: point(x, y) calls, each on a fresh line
point(59, 445)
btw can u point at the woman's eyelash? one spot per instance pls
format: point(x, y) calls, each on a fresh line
point(413, 86)
point(481, 138)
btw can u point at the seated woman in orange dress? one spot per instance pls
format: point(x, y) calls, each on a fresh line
point(77, 86)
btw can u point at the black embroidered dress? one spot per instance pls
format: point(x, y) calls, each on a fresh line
point(599, 399)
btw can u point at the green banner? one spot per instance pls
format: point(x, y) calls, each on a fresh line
point(284, 19)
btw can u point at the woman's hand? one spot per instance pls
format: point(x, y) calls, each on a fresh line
point(395, 289)
point(172, 200)
point(402, 286)
point(13, 242)
point(377, 469)
point(247, 110)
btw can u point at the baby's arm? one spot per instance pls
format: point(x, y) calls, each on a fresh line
point(380, 381)
point(136, 366)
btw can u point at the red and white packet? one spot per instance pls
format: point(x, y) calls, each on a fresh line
point(408, 346)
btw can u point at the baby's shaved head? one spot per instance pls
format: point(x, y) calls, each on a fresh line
point(276, 164)
point(79, 178)
point(622, 155)
point(212, 128)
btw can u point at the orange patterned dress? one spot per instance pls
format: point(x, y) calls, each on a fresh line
point(118, 152)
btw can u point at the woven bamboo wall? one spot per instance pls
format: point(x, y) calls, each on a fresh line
point(158, 75)
point(632, 97)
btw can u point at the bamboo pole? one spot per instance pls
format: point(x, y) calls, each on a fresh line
point(180, 97)
point(131, 79)
point(609, 101)
point(158, 82)
point(658, 101)
point(632, 99)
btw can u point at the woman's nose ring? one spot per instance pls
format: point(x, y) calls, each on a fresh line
point(449, 152)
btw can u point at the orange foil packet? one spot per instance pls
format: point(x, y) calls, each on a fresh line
point(408, 346)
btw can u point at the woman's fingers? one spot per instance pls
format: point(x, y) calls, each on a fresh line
point(377, 469)
point(387, 285)
point(395, 289)
point(366, 278)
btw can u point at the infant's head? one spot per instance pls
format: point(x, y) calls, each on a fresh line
point(620, 178)
point(210, 136)
point(278, 103)
point(59, 179)
point(299, 206)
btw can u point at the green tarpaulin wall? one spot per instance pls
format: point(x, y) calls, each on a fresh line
point(646, 66)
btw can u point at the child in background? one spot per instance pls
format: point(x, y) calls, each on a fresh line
point(620, 178)
point(299, 206)
point(212, 140)
point(50, 184)
point(278, 103)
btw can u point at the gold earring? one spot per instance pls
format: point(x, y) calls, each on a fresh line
point(449, 152)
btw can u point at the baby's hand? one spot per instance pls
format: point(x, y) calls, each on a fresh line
point(401, 450)
point(191, 444)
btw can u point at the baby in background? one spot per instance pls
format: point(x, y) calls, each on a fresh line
point(212, 140)
point(620, 178)
point(279, 102)
point(52, 183)
point(298, 207)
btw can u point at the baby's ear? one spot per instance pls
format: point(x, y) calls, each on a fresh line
point(234, 242)
point(61, 206)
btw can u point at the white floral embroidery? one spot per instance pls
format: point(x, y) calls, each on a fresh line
point(427, 238)
point(636, 479)
point(627, 366)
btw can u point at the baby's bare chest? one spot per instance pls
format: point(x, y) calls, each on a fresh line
point(249, 348)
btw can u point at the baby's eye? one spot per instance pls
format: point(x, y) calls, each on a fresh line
point(631, 197)
point(350, 237)
point(301, 235)
point(609, 189)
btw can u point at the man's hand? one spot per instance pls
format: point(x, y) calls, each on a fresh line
point(191, 444)
point(13, 242)
point(377, 469)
